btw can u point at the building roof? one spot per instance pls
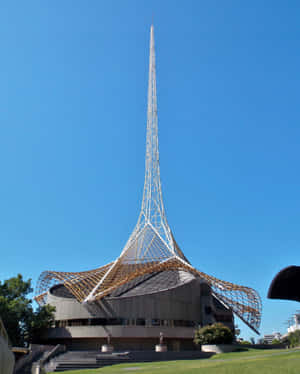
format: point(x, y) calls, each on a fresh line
point(286, 284)
point(142, 285)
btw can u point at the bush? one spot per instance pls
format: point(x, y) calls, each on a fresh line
point(276, 341)
point(246, 342)
point(214, 334)
point(294, 338)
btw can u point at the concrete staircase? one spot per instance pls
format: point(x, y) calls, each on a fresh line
point(76, 360)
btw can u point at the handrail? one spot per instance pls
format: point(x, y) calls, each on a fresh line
point(59, 348)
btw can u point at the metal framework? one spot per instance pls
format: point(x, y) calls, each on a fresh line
point(151, 246)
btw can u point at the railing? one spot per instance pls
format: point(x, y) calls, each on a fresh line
point(35, 354)
point(59, 348)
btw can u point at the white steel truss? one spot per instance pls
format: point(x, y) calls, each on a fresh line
point(151, 239)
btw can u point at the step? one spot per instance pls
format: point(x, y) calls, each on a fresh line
point(77, 363)
point(75, 367)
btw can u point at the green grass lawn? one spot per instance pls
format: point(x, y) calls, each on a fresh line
point(253, 361)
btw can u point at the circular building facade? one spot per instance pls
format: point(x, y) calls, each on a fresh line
point(173, 302)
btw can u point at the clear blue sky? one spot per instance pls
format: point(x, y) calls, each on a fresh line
point(73, 122)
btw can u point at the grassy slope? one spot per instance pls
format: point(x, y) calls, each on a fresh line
point(251, 362)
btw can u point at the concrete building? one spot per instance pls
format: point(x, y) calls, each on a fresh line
point(7, 360)
point(270, 337)
point(171, 302)
point(296, 325)
point(151, 288)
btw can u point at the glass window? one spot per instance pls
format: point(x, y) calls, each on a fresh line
point(156, 322)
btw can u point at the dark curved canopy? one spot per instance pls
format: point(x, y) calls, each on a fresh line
point(286, 284)
point(142, 285)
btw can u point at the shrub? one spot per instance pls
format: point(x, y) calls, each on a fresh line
point(275, 341)
point(294, 338)
point(246, 342)
point(214, 334)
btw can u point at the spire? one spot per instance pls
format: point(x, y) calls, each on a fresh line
point(152, 215)
point(152, 210)
point(151, 242)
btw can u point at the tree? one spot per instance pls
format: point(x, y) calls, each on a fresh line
point(41, 320)
point(23, 324)
point(294, 338)
point(214, 334)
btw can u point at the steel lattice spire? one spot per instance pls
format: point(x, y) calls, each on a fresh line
point(152, 205)
point(152, 211)
point(151, 240)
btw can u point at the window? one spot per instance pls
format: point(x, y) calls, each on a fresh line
point(156, 322)
point(131, 322)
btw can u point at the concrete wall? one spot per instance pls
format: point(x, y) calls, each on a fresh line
point(219, 348)
point(7, 360)
point(128, 344)
point(180, 303)
point(191, 301)
point(120, 332)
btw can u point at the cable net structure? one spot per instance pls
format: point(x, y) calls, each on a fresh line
point(151, 248)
